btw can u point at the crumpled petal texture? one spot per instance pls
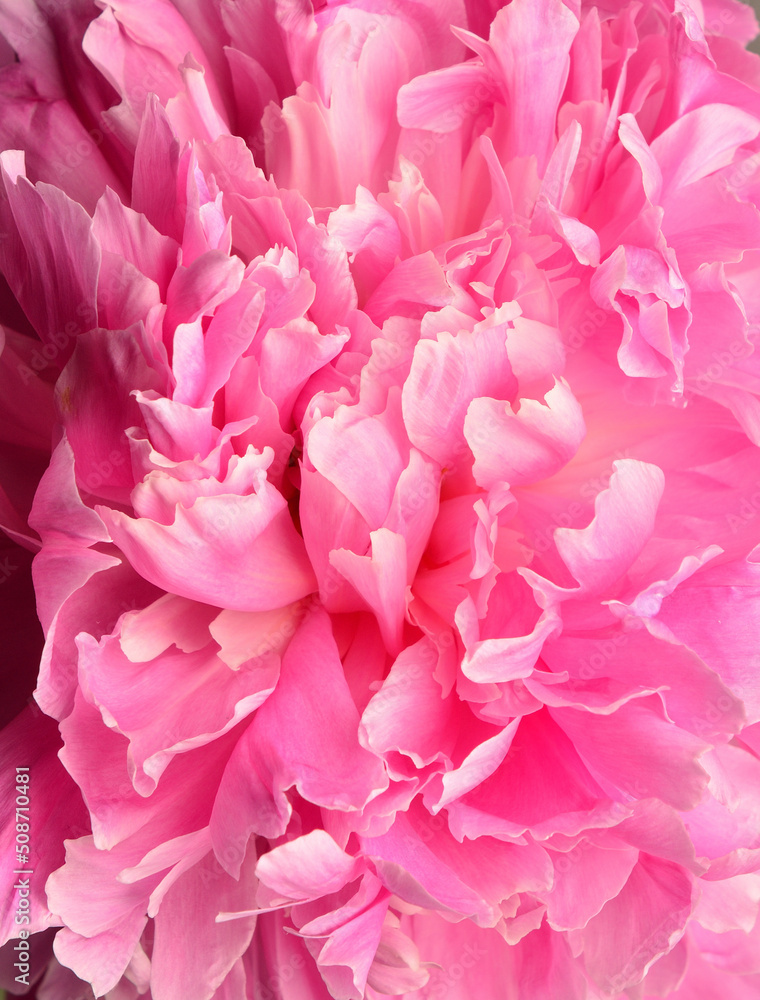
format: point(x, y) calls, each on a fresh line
point(381, 423)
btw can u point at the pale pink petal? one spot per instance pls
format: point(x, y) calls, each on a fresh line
point(409, 713)
point(526, 446)
point(396, 965)
point(691, 613)
point(371, 238)
point(347, 956)
point(542, 785)
point(433, 101)
point(379, 456)
point(215, 529)
point(644, 921)
point(289, 355)
point(156, 193)
point(598, 555)
point(329, 521)
point(584, 880)
point(305, 734)
point(380, 579)
point(85, 955)
point(446, 374)
point(478, 765)
point(530, 42)
point(118, 813)
point(729, 905)
point(308, 867)
point(727, 127)
point(121, 230)
point(80, 590)
point(636, 749)
point(213, 699)
point(189, 911)
point(412, 287)
point(42, 224)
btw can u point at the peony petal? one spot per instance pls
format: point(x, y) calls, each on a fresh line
point(598, 555)
point(44, 225)
point(380, 579)
point(213, 530)
point(644, 921)
point(213, 699)
point(191, 905)
point(308, 867)
point(585, 879)
point(636, 748)
point(523, 447)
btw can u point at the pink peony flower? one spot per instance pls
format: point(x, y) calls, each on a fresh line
point(382, 414)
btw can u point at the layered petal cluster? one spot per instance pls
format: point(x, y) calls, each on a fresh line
point(381, 424)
